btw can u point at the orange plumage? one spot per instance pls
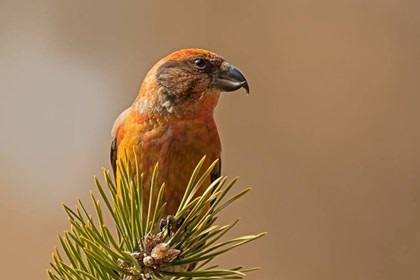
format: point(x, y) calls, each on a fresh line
point(171, 121)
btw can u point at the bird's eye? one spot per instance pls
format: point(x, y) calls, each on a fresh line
point(200, 63)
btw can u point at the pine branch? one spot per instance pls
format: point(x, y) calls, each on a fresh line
point(142, 247)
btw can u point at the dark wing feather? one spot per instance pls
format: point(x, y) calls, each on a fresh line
point(114, 146)
point(114, 156)
point(216, 172)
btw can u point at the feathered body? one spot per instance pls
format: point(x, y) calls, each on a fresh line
point(171, 121)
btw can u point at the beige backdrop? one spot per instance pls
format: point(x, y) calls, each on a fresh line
point(328, 138)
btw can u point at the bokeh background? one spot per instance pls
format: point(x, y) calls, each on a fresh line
point(329, 137)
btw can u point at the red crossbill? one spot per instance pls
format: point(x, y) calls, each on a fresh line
point(171, 120)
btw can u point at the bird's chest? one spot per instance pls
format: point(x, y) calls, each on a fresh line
point(178, 146)
point(185, 142)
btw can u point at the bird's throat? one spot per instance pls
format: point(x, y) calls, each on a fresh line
point(200, 106)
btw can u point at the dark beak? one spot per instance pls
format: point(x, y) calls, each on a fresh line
point(230, 80)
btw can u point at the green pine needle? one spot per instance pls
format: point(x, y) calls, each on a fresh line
point(138, 250)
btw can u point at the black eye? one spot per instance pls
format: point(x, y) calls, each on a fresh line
point(200, 63)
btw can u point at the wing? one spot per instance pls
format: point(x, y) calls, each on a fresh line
point(113, 156)
point(114, 145)
point(216, 172)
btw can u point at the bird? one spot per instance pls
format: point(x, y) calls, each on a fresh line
point(171, 121)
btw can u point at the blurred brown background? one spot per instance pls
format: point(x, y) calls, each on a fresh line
point(328, 138)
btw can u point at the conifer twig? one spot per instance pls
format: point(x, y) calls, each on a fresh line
point(135, 247)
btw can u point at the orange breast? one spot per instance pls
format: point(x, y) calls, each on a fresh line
point(178, 145)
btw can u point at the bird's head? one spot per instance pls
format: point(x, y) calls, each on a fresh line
point(188, 81)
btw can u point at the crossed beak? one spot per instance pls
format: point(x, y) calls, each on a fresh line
point(229, 78)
